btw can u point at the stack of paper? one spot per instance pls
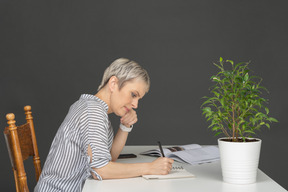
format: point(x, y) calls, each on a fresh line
point(191, 154)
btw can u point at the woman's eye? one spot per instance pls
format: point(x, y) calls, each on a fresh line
point(133, 95)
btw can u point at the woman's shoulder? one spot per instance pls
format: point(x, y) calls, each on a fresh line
point(88, 107)
point(92, 108)
point(91, 101)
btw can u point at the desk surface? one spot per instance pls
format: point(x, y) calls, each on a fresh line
point(208, 178)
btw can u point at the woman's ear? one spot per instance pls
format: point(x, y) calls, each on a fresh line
point(113, 83)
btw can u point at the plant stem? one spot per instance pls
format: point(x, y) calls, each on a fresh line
point(233, 120)
point(225, 132)
point(233, 107)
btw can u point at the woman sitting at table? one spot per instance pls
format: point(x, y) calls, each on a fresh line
point(84, 145)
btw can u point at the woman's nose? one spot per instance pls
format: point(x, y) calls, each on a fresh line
point(135, 103)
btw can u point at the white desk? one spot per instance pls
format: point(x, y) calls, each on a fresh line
point(208, 179)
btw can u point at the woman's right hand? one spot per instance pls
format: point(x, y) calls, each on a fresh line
point(161, 166)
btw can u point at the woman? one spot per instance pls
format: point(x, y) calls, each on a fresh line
point(84, 145)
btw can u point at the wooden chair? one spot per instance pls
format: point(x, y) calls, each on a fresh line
point(21, 144)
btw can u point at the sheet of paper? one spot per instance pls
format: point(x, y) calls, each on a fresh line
point(174, 174)
point(197, 156)
point(191, 154)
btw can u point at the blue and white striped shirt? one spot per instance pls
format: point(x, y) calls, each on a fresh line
point(68, 165)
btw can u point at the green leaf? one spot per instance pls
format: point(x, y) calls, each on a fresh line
point(216, 94)
point(258, 114)
point(207, 109)
point(218, 66)
point(230, 61)
point(216, 128)
point(218, 133)
point(267, 110)
point(222, 101)
point(206, 102)
point(238, 64)
point(261, 87)
point(271, 119)
point(249, 131)
point(246, 77)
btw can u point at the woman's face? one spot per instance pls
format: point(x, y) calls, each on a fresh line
point(127, 97)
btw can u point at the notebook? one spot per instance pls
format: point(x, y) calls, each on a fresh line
point(175, 173)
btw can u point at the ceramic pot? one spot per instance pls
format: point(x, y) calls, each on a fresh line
point(239, 161)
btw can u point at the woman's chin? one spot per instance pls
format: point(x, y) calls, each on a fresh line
point(120, 114)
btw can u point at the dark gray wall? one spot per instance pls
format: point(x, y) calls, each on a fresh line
point(53, 51)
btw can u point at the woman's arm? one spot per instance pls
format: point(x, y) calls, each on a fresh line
point(118, 144)
point(119, 141)
point(114, 170)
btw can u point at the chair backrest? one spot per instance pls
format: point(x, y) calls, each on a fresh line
point(21, 144)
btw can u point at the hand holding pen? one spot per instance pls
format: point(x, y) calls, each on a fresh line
point(162, 165)
point(161, 149)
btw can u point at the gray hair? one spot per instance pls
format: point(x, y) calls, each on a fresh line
point(125, 70)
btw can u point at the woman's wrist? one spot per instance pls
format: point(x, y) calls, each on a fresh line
point(125, 129)
point(146, 169)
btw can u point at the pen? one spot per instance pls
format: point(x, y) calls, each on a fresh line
point(161, 150)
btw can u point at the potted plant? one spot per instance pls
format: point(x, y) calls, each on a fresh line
point(237, 110)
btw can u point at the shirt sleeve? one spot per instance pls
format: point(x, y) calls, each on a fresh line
point(95, 134)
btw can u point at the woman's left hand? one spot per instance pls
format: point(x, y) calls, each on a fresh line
point(129, 118)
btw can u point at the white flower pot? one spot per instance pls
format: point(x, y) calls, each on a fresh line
point(239, 161)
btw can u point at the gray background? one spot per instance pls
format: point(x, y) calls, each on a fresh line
point(53, 51)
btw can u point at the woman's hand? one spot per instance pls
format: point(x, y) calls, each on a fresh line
point(129, 118)
point(161, 166)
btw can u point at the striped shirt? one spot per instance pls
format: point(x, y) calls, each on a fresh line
point(68, 165)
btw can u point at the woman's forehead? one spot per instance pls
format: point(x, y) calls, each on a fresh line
point(137, 85)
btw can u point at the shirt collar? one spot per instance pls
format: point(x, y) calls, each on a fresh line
point(93, 97)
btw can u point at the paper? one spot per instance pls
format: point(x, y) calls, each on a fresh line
point(175, 173)
point(191, 154)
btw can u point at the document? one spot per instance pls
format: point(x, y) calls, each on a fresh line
point(175, 173)
point(192, 154)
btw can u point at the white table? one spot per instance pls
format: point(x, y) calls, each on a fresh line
point(208, 179)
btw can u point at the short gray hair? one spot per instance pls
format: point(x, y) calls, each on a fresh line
point(125, 70)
